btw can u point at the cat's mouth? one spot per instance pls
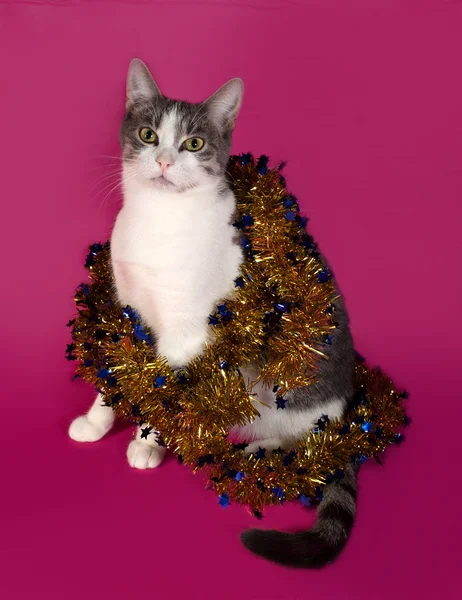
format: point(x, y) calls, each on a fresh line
point(162, 182)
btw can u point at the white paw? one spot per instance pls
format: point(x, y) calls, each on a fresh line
point(81, 430)
point(253, 447)
point(141, 455)
point(268, 445)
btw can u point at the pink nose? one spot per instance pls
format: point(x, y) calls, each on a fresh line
point(164, 162)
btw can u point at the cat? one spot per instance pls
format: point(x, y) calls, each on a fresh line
point(175, 256)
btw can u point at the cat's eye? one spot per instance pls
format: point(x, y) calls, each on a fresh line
point(148, 135)
point(194, 144)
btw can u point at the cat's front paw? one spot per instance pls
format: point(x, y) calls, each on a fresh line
point(141, 455)
point(81, 430)
point(268, 445)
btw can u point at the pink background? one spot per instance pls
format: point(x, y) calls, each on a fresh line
point(363, 98)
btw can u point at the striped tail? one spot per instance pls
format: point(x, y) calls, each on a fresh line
point(321, 544)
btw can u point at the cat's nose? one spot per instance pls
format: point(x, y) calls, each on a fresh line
point(164, 162)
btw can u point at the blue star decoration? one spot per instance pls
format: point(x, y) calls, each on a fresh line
point(136, 410)
point(239, 476)
point(207, 459)
point(262, 165)
point(140, 333)
point(247, 220)
point(239, 282)
point(302, 221)
point(159, 381)
point(182, 378)
point(213, 320)
point(116, 398)
point(289, 458)
point(111, 381)
point(324, 276)
point(278, 493)
point(407, 421)
point(231, 473)
point(246, 158)
point(225, 313)
point(322, 422)
point(399, 439)
point(260, 453)
point(245, 243)
point(224, 500)
point(367, 426)
point(335, 476)
point(241, 446)
point(103, 373)
point(289, 201)
point(69, 350)
point(305, 500)
point(94, 249)
point(145, 432)
point(282, 306)
point(280, 402)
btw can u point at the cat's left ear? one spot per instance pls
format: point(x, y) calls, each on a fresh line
point(225, 104)
point(140, 83)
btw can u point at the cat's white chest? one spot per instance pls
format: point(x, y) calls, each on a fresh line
point(173, 258)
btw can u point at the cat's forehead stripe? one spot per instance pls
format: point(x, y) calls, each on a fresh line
point(167, 129)
point(180, 121)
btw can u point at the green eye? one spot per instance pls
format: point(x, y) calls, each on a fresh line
point(194, 144)
point(148, 135)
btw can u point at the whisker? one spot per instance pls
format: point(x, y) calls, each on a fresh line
point(122, 181)
point(105, 177)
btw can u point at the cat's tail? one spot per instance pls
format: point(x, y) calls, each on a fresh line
point(321, 544)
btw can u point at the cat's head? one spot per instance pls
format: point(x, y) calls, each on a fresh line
point(174, 145)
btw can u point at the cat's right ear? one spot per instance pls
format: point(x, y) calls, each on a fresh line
point(140, 84)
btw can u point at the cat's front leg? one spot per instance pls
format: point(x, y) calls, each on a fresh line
point(144, 452)
point(95, 424)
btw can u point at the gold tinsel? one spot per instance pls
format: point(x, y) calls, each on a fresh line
point(279, 319)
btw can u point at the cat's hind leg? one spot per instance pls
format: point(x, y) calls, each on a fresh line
point(144, 452)
point(95, 424)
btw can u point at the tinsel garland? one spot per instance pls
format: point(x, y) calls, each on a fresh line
point(280, 319)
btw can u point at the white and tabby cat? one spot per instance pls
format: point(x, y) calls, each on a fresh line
point(174, 257)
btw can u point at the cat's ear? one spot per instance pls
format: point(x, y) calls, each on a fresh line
point(224, 105)
point(140, 84)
